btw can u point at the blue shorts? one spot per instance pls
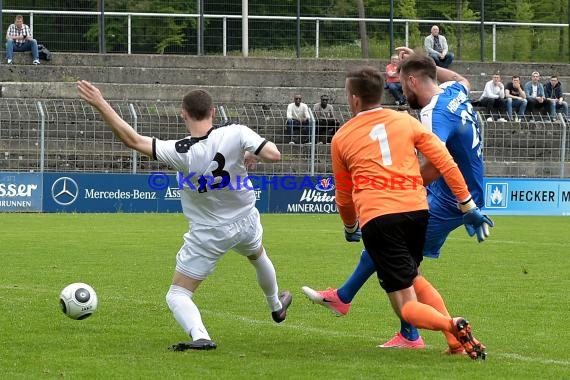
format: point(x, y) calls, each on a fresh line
point(443, 218)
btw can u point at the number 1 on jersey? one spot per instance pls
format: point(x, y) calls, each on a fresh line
point(379, 133)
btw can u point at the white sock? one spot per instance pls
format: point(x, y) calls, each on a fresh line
point(186, 312)
point(267, 280)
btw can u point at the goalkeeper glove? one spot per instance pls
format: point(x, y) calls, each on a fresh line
point(352, 234)
point(476, 223)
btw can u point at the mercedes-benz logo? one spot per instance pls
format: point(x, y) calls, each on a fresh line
point(64, 191)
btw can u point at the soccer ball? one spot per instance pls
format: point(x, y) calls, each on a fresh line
point(78, 300)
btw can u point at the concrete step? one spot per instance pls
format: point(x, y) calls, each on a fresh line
point(262, 73)
point(171, 92)
point(189, 76)
point(197, 62)
point(259, 80)
point(116, 86)
point(200, 77)
point(283, 64)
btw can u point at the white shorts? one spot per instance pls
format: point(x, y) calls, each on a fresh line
point(205, 245)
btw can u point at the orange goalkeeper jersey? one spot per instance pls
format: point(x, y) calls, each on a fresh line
point(376, 168)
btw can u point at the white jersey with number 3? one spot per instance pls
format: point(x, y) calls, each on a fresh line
point(211, 173)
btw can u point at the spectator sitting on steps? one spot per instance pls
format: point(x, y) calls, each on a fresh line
point(19, 38)
point(493, 96)
point(325, 120)
point(535, 94)
point(553, 92)
point(516, 97)
point(297, 116)
point(393, 81)
point(436, 47)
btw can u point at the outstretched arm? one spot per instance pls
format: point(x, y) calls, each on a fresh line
point(120, 127)
point(443, 75)
point(446, 75)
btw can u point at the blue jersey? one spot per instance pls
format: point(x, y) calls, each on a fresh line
point(450, 116)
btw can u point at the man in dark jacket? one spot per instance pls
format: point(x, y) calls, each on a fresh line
point(553, 92)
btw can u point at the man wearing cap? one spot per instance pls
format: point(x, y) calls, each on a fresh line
point(325, 120)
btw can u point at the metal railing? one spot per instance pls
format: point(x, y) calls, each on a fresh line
point(69, 136)
point(494, 36)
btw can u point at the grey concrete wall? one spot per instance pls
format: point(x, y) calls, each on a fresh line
point(222, 94)
point(230, 79)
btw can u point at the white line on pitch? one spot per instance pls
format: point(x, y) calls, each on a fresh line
point(339, 333)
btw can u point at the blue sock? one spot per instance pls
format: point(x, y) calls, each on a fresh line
point(362, 272)
point(408, 331)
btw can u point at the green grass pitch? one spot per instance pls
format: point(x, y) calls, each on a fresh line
point(513, 288)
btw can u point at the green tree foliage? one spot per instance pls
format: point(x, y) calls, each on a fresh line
point(406, 9)
point(522, 35)
point(463, 13)
point(555, 11)
point(51, 5)
point(178, 35)
point(158, 35)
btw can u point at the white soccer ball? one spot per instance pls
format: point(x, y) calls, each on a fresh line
point(78, 300)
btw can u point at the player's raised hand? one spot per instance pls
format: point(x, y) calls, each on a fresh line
point(90, 93)
point(404, 52)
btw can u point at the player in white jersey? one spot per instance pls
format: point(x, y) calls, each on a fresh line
point(216, 199)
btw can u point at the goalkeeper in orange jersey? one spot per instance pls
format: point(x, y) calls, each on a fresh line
point(382, 143)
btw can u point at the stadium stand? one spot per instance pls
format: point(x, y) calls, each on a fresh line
point(146, 90)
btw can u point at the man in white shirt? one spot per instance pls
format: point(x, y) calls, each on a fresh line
point(217, 200)
point(493, 96)
point(297, 116)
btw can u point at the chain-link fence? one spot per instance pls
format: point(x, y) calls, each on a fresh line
point(499, 30)
point(69, 136)
point(533, 147)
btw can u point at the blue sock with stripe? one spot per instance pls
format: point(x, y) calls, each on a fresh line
point(361, 274)
point(408, 331)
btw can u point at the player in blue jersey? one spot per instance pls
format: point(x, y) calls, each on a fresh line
point(447, 111)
